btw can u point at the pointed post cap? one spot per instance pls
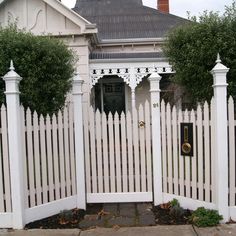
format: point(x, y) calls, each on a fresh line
point(218, 60)
point(219, 67)
point(11, 74)
point(154, 77)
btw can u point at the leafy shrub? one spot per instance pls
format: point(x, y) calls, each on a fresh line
point(203, 217)
point(192, 50)
point(45, 64)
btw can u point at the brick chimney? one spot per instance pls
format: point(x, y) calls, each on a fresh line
point(163, 5)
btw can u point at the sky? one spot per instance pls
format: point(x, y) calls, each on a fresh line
point(180, 7)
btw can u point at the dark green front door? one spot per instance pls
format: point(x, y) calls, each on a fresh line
point(110, 97)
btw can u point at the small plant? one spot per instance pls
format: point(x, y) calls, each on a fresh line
point(203, 217)
point(174, 203)
point(176, 211)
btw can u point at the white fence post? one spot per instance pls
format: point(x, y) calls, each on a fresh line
point(221, 138)
point(79, 142)
point(12, 80)
point(156, 137)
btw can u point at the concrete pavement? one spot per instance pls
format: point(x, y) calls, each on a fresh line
point(182, 230)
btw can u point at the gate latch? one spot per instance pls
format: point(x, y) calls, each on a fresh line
point(141, 124)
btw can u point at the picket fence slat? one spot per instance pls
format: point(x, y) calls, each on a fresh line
point(6, 164)
point(148, 146)
point(136, 151)
point(117, 151)
point(49, 158)
point(181, 158)
point(37, 159)
point(30, 157)
point(72, 150)
point(130, 152)
point(61, 155)
point(169, 149)
point(86, 119)
point(212, 151)
point(111, 152)
point(200, 152)
point(124, 154)
point(142, 149)
point(22, 111)
point(99, 151)
point(55, 156)
point(2, 208)
point(163, 140)
point(231, 152)
point(93, 154)
point(207, 152)
point(105, 153)
point(43, 159)
point(194, 157)
point(66, 155)
point(175, 151)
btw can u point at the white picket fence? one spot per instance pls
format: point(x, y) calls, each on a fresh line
point(184, 175)
point(118, 156)
point(49, 156)
point(52, 163)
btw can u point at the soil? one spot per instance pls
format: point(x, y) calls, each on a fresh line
point(164, 215)
point(64, 220)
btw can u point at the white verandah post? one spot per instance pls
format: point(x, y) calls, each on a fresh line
point(79, 141)
point(221, 139)
point(154, 80)
point(12, 80)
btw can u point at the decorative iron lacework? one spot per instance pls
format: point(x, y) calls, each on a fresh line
point(132, 76)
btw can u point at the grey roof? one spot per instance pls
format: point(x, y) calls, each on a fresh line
point(125, 55)
point(126, 19)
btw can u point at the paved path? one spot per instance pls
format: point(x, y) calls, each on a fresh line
point(124, 215)
point(182, 230)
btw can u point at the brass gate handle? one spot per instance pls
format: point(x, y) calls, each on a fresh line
point(186, 148)
point(141, 124)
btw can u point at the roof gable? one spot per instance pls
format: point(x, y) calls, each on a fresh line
point(44, 17)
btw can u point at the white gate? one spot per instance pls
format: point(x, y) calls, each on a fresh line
point(118, 156)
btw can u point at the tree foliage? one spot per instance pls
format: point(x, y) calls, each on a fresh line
point(44, 63)
point(192, 49)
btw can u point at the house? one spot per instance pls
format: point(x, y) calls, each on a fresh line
point(118, 43)
point(49, 165)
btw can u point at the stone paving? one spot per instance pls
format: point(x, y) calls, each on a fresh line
point(120, 215)
point(169, 230)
